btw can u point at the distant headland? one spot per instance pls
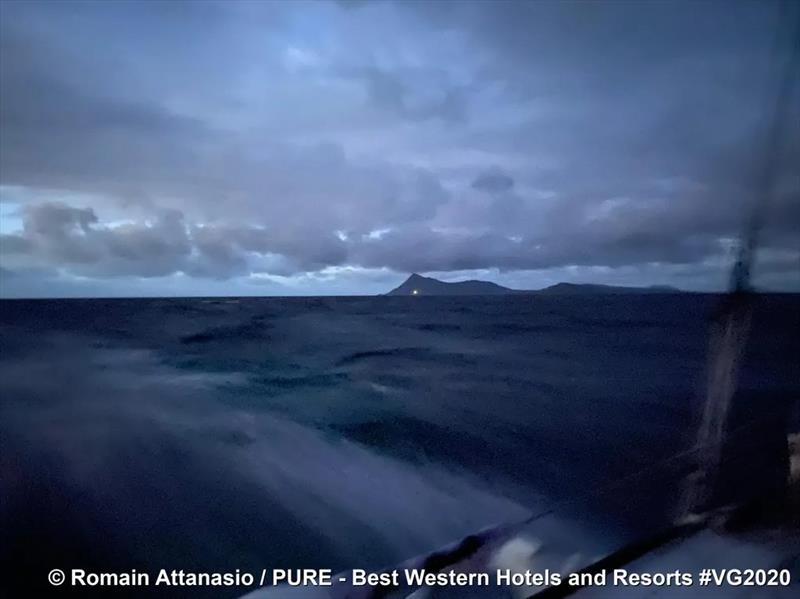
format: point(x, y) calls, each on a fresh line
point(419, 285)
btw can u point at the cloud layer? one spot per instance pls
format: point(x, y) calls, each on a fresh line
point(244, 142)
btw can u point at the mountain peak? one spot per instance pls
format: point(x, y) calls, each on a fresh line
point(416, 284)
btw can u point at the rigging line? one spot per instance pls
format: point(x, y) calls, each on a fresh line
point(765, 182)
point(732, 323)
point(734, 336)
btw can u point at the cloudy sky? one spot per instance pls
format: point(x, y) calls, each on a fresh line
point(178, 148)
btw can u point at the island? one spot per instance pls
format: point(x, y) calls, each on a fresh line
point(416, 285)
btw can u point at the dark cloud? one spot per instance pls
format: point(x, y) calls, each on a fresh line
point(72, 237)
point(427, 250)
point(494, 181)
point(417, 94)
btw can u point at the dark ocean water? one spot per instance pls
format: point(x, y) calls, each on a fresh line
point(215, 434)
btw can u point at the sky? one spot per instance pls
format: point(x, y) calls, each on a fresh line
point(304, 148)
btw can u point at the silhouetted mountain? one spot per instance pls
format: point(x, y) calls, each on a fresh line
point(419, 285)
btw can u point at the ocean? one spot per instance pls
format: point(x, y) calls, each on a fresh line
point(211, 434)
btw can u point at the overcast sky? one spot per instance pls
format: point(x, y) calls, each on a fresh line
point(178, 148)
